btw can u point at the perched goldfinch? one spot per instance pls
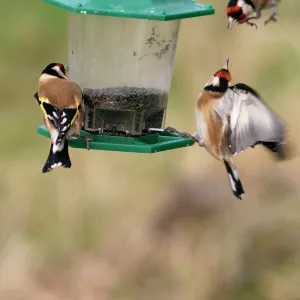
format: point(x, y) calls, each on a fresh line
point(239, 11)
point(232, 118)
point(61, 102)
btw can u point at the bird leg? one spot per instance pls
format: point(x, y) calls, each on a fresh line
point(182, 134)
point(271, 18)
point(199, 139)
point(274, 11)
point(171, 129)
point(249, 23)
point(186, 134)
point(87, 141)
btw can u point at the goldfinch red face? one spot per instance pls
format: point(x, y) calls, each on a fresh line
point(221, 80)
point(56, 69)
point(237, 11)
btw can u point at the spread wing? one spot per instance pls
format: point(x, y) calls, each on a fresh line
point(251, 121)
point(62, 120)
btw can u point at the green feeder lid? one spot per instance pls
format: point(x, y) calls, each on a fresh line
point(161, 10)
point(149, 143)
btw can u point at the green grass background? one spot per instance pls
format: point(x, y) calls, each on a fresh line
point(125, 226)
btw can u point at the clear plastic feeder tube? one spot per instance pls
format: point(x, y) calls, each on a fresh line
point(124, 67)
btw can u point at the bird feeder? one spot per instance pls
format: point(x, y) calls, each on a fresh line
point(121, 53)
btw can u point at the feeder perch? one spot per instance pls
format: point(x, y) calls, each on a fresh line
point(121, 53)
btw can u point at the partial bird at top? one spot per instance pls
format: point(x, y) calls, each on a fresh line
point(240, 11)
point(231, 119)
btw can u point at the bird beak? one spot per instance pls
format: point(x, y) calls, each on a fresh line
point(225, 66)
point(231, 22)
point(67, 69)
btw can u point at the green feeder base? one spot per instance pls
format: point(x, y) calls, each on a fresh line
point(150, 143)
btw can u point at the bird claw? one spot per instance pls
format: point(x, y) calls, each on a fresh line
point(182, 134)
point(271, 18)
point(186, 134)
point(251, 24)
point(171, 129)
point(248, 23)
point(87, 142)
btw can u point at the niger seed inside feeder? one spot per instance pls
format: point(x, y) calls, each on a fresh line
point(110, 109)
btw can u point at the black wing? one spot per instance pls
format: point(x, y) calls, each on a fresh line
point(36, 96)
point(245, 88)
point(62, 120)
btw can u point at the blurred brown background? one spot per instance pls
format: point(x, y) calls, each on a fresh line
point(126, 226)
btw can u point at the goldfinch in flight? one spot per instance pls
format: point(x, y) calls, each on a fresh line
point(232, 118)
point(240, 11)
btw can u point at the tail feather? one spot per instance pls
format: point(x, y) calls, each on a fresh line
point(58, 159)
point(234, 179)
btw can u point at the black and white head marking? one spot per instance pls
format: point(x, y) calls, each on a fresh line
point(220, 81)
point(56, 70)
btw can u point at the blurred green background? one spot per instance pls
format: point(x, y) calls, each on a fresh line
point(126, 226)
